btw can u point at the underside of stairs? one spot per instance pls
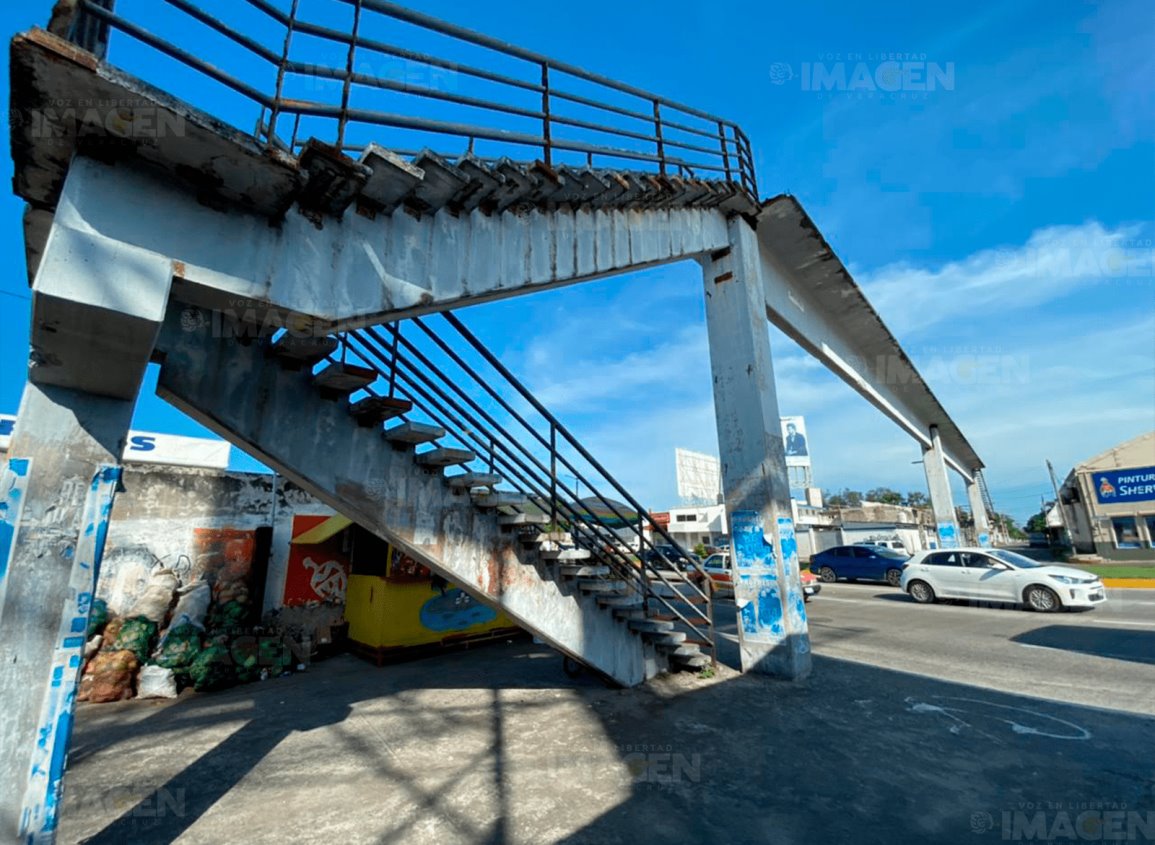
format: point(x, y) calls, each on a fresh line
point(320, 418)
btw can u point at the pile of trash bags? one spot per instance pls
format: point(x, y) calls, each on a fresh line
point(175, 637)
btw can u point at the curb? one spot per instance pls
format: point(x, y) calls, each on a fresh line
point(1130, 583)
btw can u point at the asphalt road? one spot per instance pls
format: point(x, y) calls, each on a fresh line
point(1104, 657)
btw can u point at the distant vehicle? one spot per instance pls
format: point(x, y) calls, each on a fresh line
point(999, 575)
point(895, 545)
point(1038, 540)
point(670, 558)
point(718, 571)
point(869, 563)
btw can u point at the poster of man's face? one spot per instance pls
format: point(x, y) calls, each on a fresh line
point(794, 439)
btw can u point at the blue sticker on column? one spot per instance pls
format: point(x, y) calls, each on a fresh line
point(947, 535)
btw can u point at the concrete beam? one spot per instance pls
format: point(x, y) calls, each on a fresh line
point(772, 627)
point(938, 486)
point(58, 486)
point(812, 298)
point(374, 268)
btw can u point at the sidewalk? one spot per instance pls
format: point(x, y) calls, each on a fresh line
point(496, 745)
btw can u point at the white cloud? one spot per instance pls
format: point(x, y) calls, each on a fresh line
point(1053, 263)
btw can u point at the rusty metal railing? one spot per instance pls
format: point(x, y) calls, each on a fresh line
point(335, 70)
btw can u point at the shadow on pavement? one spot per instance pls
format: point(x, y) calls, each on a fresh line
point(855, 753)
point(1115, 643)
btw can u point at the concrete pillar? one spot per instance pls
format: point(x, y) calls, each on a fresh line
point(57, 488)
point(938, 486)
point(772, 626)
point(97, 307)
point(979, 512)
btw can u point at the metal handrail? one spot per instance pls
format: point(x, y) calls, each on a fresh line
point(658, 133)
point(423, 371)
point(446, 401)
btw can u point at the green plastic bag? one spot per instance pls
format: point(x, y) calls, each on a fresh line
point(97, 618)
point(223, 617)
point(180, 647)
point(212, 669)
point(136, 635)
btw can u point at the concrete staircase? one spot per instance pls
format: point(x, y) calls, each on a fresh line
point(321, 420)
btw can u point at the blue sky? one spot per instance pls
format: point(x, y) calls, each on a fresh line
point(1001, 224)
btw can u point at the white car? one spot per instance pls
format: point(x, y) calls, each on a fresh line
point(999, 575)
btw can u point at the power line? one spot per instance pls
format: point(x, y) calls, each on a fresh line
point(16, 295)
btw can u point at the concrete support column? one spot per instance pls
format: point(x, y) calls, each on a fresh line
point(97, 307)
point(57, 491)
point(979, 513)
point(772, 626)
point(938, 486)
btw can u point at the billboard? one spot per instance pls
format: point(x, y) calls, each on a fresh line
point(699, 476)
point(1117, 486)
point(147, 448)
point(794, 439)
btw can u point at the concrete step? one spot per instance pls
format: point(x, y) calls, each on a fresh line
point(333, 180)
point(469, 480)
point(621, 601)
point(566, 554)
point(691, 661)
point(664, 638)
point(627, 613)
point(652, 625)
point(296, 352)
point(442, 182)
point(443, 457)
point(374, 410)
point(412, 433)
point(580, 570)
point(683, 649)
point(392, 179)
point(499, 500)
point(597, 585)
point(523, 519)
point(339, 379)
point(549, 537)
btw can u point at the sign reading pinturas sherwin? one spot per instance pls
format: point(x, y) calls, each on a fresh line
point(1117, 486)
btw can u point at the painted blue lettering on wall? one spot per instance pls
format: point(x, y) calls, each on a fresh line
point(947, 535)
point(984, 540)
point(7, 426)
point(12, 484)
point(751, 551)
point(1118, 486)
point(141, 443)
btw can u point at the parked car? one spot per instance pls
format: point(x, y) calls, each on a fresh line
point(869, 563)
point(893, 545)
point(999, 575)
point(718, 570)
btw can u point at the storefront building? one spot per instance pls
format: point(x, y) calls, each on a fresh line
point(1109, 502)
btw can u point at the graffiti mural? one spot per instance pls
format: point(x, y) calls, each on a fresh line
point(318, 571)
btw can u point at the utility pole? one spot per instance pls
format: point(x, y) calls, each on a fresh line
point(1059, 505)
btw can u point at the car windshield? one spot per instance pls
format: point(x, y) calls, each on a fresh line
point(1015, 559)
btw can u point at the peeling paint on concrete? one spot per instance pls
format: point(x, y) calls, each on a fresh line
point(41, 800)
point(13, 485)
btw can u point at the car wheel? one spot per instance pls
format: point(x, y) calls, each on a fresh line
point(827, 575)
point(894, 577)
point(1042, 599)
point(921, 592)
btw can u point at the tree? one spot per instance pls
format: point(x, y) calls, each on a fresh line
point(916, 499)
point(1037, 524)
point(1007, 522)
point(884, 495)
point(845, 499)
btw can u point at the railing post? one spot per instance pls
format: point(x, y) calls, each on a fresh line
point(396, 329)
point(553, 476)
point(275, 112)
point(726, 150)
point(343, 119)
point(658, 132)
point(545, 128)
